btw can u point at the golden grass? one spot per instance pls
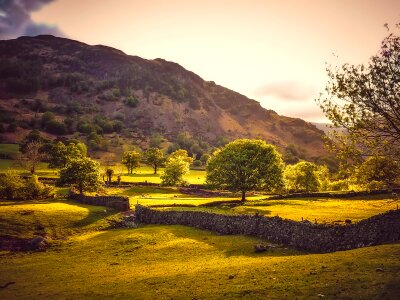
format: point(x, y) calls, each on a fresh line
point(164, 262)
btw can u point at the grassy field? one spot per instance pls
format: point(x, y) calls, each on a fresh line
point(164, 262)
point(9, 149)
point(145, 173)
point(319, 209)
point(324, 210)
point(57, 219)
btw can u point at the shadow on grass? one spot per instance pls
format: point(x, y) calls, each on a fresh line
point(96, 213)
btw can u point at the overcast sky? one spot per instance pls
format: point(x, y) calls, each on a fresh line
point(271, 51)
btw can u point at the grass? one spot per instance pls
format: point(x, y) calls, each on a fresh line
point(55, 218)
point(176, 262)
point(145, 174)
point(41, 169)
point(323, 210)
point(9, 149)
point(164, 262)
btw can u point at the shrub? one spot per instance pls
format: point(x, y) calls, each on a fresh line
point(13, 187)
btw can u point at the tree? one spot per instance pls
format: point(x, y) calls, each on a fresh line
point(302, 176)
point(154, 157)
point(379, 169)
point(32, 156)
point(131, 160)
point(176, 167)
point(245, 165)
point(364, 100)
point(109, 174)
point(60, 155)
point(83, 172)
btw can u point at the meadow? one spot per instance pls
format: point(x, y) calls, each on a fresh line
point(164, 262)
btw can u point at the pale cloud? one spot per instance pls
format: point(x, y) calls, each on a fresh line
point(287, 91)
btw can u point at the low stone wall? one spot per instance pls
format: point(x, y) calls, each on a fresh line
point(306, 236)
point(120, 203)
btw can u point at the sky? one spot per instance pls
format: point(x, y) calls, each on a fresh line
point(269, 50)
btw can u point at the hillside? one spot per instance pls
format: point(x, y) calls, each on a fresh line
point(126, 98)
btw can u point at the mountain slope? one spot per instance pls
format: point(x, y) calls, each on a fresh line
point(80, 83)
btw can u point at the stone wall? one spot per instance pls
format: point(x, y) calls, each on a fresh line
point(306, 236)
point(120, 203)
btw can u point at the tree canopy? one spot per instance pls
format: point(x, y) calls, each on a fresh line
point(365, 101)
point(154, 157)
point(245, 165)
point(60, 154)
point(177, 165)
point(303, 176)
point(131, 160)
point(83, 172)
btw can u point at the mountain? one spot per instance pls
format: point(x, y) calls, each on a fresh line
point(65, 87)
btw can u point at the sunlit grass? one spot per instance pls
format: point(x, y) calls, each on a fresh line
point(164, 262)
point(57, 219)
point(312, 209)
point(146, 174)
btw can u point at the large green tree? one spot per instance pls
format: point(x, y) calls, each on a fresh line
point(83, 173)
point(245, 165)
point(60, 154)
point(154, 157)
point(131, 160)
point(364, 102)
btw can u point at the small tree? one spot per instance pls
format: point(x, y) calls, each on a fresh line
point(109, 174)
point(32, 156)
point(131, 160)
point(84, 173)
point(154, 157)
point(302, 176)
point(176, 167)
point(245, 165)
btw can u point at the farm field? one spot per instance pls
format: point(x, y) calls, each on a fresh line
point(324, 210)
point(317, 209)
point(177, 262)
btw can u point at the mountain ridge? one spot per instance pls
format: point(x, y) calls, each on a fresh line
point(147, 96)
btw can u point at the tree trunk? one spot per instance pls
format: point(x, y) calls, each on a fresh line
point(155, 169)
point(33, 169)
point(243, 196)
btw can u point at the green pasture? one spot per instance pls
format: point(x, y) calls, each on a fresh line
point(9, 149)
point(146, 174)
point(164, 262)
point(321, 210)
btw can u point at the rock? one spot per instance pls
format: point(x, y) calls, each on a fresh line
point(38, 243)
point(321, 296)
point(323, 267)
point(258, 248)
point(347, 221)
point(231, 276)
point(379, 270)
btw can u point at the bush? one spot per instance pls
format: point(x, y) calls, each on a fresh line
point(197, 163)
point(13, 187)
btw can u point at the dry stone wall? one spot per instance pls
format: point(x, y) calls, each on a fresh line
point(118, 202)
point(306, 236)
